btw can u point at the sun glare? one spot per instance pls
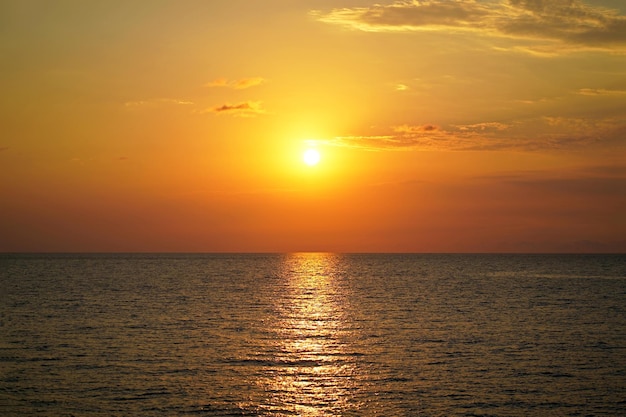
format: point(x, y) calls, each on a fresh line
point(311, 157)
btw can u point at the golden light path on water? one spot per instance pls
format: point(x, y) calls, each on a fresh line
point(316, 372)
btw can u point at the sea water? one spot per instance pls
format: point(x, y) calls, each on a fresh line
point(312, 335)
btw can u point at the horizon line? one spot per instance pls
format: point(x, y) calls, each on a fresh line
point(294, 252)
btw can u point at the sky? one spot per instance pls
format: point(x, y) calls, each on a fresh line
point(442, 125)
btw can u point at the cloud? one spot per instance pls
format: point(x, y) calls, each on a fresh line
point(249, 82)
point(218, 82)
point(157, 102)
point(548, 25)
point(404, 137)
point(244, 109)
point(4, 148)
point(409, 15)
point(419, 137)
point(484, 127)
point(600, 92)
point(237, 84)
point(416, 129)
point(544, 133)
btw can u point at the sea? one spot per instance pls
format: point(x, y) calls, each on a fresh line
point(312, 334)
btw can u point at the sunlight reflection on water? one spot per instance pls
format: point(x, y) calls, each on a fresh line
point(315, 370)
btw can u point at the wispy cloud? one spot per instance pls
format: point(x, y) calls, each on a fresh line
point(244, 109)
point(420, 129)
point(549, 25)
point(240, 84)
point(545, 133)
point(423, 137)
point(157, 102)
point(601, 92)
point(484, 127)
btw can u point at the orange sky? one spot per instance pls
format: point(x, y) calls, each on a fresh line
point(444, 126)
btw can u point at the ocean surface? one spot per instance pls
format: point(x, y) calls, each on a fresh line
point(312, 335)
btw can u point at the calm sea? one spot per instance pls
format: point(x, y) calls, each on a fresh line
point(313, 335)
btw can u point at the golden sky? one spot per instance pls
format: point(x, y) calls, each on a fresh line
point(443, 125)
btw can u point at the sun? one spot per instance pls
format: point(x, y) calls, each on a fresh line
point(311, 157)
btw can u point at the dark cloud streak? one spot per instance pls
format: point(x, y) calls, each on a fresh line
point(246, 109)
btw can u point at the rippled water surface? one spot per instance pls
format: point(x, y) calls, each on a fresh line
point(313, 335)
